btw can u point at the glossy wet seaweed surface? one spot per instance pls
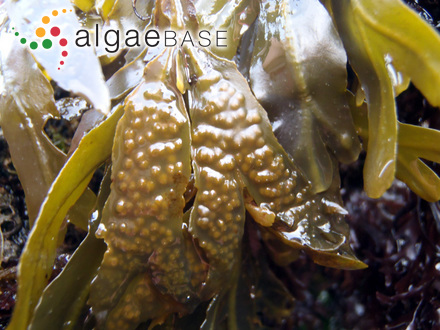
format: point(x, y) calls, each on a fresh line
point(400, 287)
point(257, 197)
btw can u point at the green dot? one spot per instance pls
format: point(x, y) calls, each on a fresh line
point(23, 40)
point(33, 45)
point(16, 33)
point(13, 28)
point(47, 43)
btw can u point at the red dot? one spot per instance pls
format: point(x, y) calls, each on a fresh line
point(58, 68)
point(64, 53)
point(55, 31)
point(63, 42)
point(62, 62)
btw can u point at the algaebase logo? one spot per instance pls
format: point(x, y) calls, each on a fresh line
point(44, 33)
point(48, 36)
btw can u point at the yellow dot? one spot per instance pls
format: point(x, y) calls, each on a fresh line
point(64, 11)
point(40, 32)
point(45, 19)
point(55, 13)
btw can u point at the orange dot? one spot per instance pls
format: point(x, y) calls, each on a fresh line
point(55, 13)
point(40, 32)
point(45, 19)
point(64, 11)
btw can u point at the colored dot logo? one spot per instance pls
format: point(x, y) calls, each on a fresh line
point(43, 34)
